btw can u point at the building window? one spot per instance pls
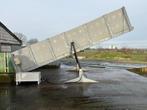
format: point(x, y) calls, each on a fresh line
point(5, 48)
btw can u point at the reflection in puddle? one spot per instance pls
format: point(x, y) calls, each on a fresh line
point(3, 92)
point(141, 71)
point(116, 90)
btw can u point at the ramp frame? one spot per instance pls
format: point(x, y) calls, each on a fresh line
point(81, 78)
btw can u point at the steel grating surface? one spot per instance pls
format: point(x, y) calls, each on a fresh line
point(106, 27)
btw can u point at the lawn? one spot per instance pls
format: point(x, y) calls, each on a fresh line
point(124, 55)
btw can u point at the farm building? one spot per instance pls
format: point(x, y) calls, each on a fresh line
point(9, 42)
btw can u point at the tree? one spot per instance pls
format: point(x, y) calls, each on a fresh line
point(32, 41)
point(24, 40)
point(22, 37)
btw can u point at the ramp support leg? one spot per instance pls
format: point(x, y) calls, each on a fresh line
point(81, 78)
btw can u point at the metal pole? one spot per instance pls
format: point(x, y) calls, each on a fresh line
point(75, 54)
point(81, 78)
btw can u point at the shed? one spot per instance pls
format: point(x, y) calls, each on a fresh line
point(9, 42)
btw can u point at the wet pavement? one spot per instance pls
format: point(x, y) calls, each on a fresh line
point(117, 89)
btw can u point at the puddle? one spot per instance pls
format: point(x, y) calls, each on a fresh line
point(116, 90)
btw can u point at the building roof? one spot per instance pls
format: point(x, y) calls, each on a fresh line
point(12, 34)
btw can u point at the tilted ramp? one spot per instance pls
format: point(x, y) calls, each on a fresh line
point(106, 27)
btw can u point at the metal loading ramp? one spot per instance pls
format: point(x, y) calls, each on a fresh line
point(54, 48)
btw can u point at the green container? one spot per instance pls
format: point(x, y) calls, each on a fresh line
point(6, 65)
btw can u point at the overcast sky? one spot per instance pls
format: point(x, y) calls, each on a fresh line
point(44, 18)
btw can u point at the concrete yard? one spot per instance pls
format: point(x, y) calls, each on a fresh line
point(117, 89)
